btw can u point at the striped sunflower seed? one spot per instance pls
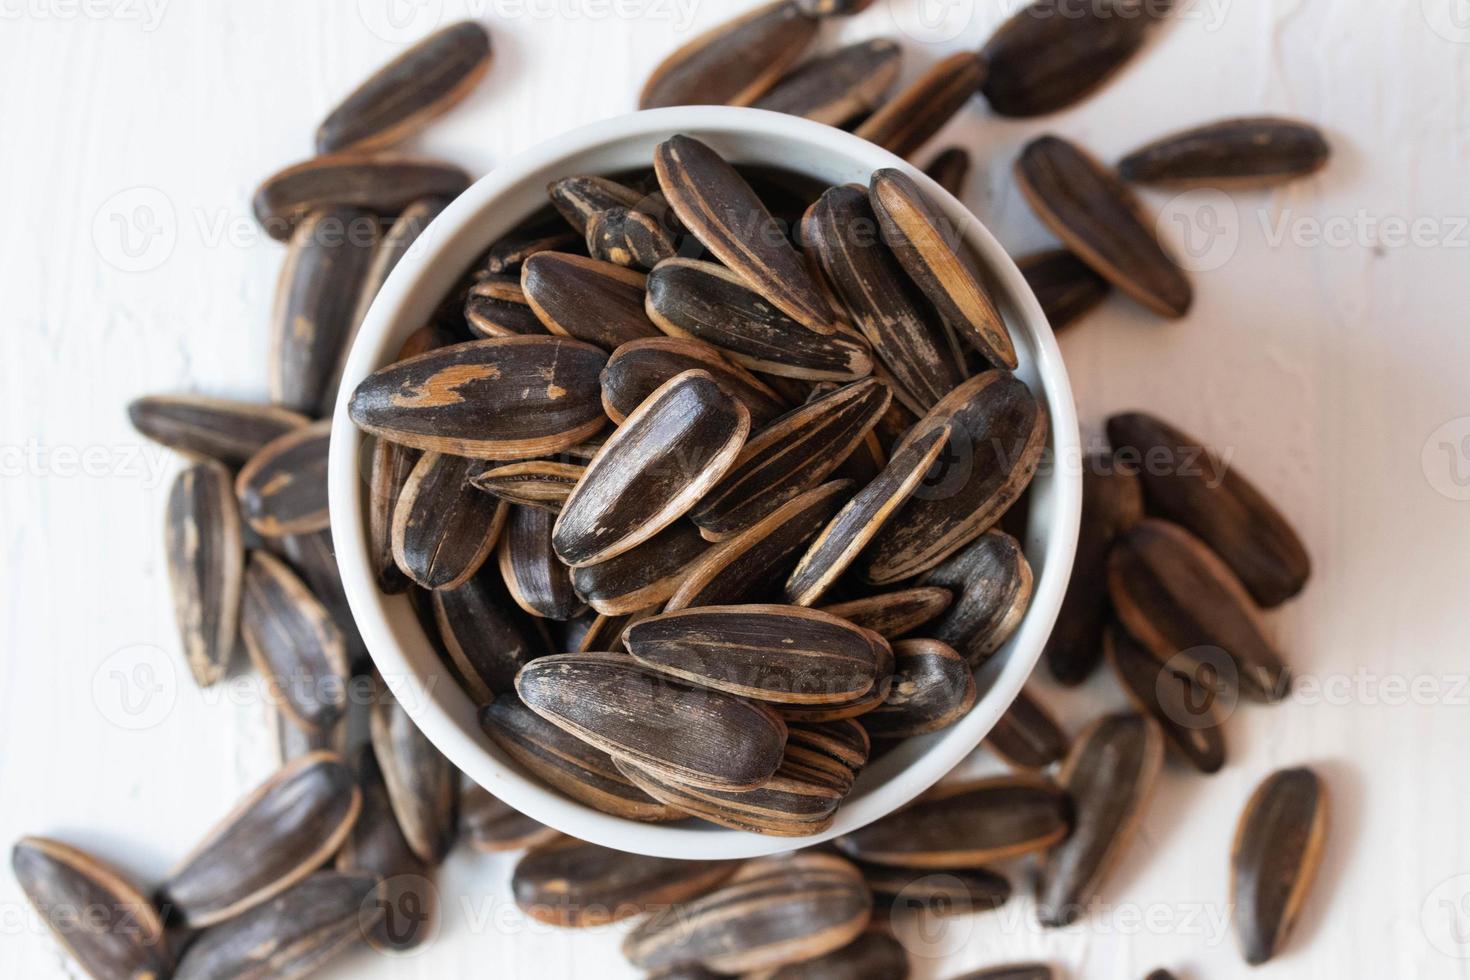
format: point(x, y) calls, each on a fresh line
point(1102, 221)
point(639, 367)
point(795, 802)
point(1109, 775)
point(1185, 606)
point(733, 63)
point(950, 170)
point(211, 428)
point(966, 825)
point(643, 577)
point(961, 891)
point(629, 237)
point(507, 398)
point(1047, 57)
point(544, 231)
point(443, 528)
point(496, 306)
point(579, 199)
point(294, 643)
point(1273, 862)
point(696, 736)
point(283, 488)
point(1185, 712)
point(540, 483)
point(283, 831)
point(936, 257)
point(575, 884)
point(704, 301)
point(405, 94)
point(907, 121)
point(838, 87)
point(1065, 286)
point(874, 955)
point(421, 782)
point(991, 583)
point(537, 580)
point(565, 762)
point(892, 614)
point(932, 688)
point(485, 635)
point(493, 827)
point(206, 561)
point(720, 209)
point(1026, 736)
point(1260, 151)
point(1192, 486)
point(597, 302)
point(676, 445)
point(383, 183)
point(61, 881)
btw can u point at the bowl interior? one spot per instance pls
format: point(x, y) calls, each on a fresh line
point(493, 206)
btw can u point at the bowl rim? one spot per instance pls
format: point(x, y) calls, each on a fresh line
point(480, 759)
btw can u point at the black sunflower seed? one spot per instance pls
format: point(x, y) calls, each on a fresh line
point(1184, 710)
point(643, 577)
point(485, 635)
point(932, 688)
point(1065, 286)
point(540, 483)
point(1259, 151)
point(597, 302)
point(496, 307)
point(1026, 736)
point(892, 614)
point(638, 367)
point(537, 580)
point(838, 87)
point(283, 488)
point(383, 183)
point(443, 528)
point(294, 643)
point(905, 122)
point(1273, 862)
point(991, 583)
point(206, 562)
point(493, 826)
point(734, 62)
point(211, 428)
point(422, 783)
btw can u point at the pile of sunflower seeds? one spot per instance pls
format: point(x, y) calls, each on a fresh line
point(771, 549)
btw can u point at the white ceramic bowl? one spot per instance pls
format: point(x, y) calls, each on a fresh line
point(493, 206)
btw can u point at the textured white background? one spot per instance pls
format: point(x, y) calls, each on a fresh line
point(1326, 352)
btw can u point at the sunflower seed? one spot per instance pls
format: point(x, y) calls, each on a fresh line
point(384, 183)
point(644, 577)
point(837, 749)
point(704, 301)
point(575, 884)
point(907, 121)
point(838, 87)
point(874, 955)
point(567, 763)
point(121, 935)
point(734, 62)
point(283, 488)
point(443, 528)
point(537, 580)
point(628, 237)
point(638, 367)
point(506, 398)
point(991, 583)
point(966, 825)
point(1184, 710)
point(1273, 862)
point(285, 829)
point(496, 307)
point(795, 802)
point(1260, 151)
point(1017, 971)
point(539, 483)
point(772, 653)
point(962, 891)
point(700, 737)
point(719, 208)
point(291, 936)
point(842, 231)
point(291, 741)
point(1191, 485)
point(388, 472)
point(206, 560)
point(1109, 774)
point(1112, 502)
point(597, 302)
point(748, 566)
point(792, 454)
point(1179, 600)
point(578, 199)
point(492, 826)
point(932, 688)
point(833, 8)
point(604, 632)
point(1046, 58)
point(420, 781)
point(837, 546)
point(544, 231)
point(1026, 736)
point(377, 846)
point(950, 170)
point(655, 467)
point(934, 254)
point(487, 638)
point(405, 94)
point(211, 428)
point(1065, 286)
point(773, 912)
point(892, 614)
point(1101, 220)
point(998, 432)
point(293, 643)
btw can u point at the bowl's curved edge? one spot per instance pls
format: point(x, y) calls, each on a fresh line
point(371, 610)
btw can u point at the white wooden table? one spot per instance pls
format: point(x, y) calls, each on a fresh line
point(1328, 352)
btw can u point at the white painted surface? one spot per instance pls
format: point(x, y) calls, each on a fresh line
point(1333, 370)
